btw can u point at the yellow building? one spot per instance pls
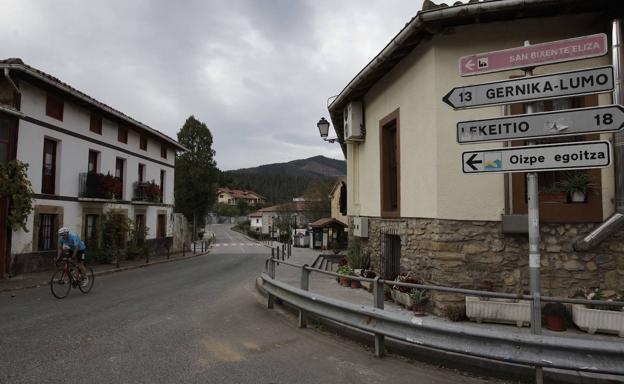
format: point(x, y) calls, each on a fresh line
point(418, 212)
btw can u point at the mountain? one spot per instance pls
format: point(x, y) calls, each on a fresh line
point(317, 166)
point(280, 182)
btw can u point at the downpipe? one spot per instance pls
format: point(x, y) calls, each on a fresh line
point(616, 221)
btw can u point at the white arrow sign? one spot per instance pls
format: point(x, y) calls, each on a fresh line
point(568, 122)
point(564, 84)
point(536, 158)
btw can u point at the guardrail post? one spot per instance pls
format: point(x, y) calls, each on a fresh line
point(271, 302)
point(272, 252)
point(305, 285)
point(277, 252)
point(283, 251)
point(378, 302)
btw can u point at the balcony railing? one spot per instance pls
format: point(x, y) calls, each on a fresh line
point(99, 186)
point(147, 191)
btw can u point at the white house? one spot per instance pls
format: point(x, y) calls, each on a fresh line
point(84, 158)
point(255, 222)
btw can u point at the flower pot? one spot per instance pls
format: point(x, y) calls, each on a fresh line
point(355, 284)
point(555, 323)
point(367, 285)
point(598, 320)
point(419, 310)
point(344, 281)
point(498, 311)
point(577, 197)
point(402, 298)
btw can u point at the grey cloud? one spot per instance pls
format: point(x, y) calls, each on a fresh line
point(258, 72)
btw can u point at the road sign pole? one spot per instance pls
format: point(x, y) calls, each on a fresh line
point(534, 251)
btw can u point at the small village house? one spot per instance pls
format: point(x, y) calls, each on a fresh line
point(84, 159)
point(410, 205)
point(235, 196)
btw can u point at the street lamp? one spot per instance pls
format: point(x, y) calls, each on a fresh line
point(323, 126)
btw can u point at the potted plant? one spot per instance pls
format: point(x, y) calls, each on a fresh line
point(576, 184)
point(401, 294)
point(555, 315)
point(355, 283)
point(344, 271)
point(369, 275)
point(420, 298)
point(552, 194)
point(599, 318)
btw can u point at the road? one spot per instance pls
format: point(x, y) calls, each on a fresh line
point(200, 320)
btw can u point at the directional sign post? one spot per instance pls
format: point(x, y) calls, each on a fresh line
point(533, 55)
point(533, 88)
point(580, 121)
point(537, 158)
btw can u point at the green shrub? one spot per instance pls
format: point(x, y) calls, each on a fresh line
point(358, 259)
point(455, 312)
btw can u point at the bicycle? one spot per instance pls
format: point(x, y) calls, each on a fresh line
point(67, 276)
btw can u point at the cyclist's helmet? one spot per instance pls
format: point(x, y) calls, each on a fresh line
point(63, 231)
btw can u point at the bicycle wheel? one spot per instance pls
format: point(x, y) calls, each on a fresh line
point(60, 284)
point(90, 279)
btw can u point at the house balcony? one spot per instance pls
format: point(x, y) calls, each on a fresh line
point(148, 192)
point(94, 185)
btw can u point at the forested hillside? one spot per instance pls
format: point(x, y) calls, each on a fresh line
point(282, 181)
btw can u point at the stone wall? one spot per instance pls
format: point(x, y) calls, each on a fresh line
point(466, 254)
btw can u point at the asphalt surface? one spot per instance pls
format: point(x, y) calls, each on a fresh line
point(199, 320)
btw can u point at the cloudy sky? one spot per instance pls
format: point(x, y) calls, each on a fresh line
point(257, 72)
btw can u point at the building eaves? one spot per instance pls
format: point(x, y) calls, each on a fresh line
point(434, 19)
point(34, 73)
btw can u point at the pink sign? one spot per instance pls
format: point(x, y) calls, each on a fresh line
point(534, 55)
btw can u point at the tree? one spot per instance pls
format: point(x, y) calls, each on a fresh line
point(196, 172)
point(317, 194)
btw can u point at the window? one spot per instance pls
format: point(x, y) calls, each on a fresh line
point(162, 185)
point(390, 176)
point(161, 227)
point(91, 231)
point(54, 107)
point(143, 142)
point(119, 176)
point(122, 134)
point(141, 173)
point(554, 205)
point(95, 125)
point(93, 161)
point(49, 167)
point(163, 150)
point(47, 232)
point(5, 140)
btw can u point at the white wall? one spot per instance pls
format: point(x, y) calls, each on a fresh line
point(432, 183)
point(72, 159)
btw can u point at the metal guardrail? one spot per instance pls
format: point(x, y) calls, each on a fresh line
point(578, 354)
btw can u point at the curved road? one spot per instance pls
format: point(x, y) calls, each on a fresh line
point(199, 320)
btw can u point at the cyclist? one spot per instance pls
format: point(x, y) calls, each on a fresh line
point(70, 241)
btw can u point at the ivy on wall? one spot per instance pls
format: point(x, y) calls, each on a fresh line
point(15, 184)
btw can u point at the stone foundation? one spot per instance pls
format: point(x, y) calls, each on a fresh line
point(465, 254)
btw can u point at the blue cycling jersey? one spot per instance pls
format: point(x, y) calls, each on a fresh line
point(73, 240)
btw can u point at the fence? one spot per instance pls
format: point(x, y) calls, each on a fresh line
point(540, 351)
